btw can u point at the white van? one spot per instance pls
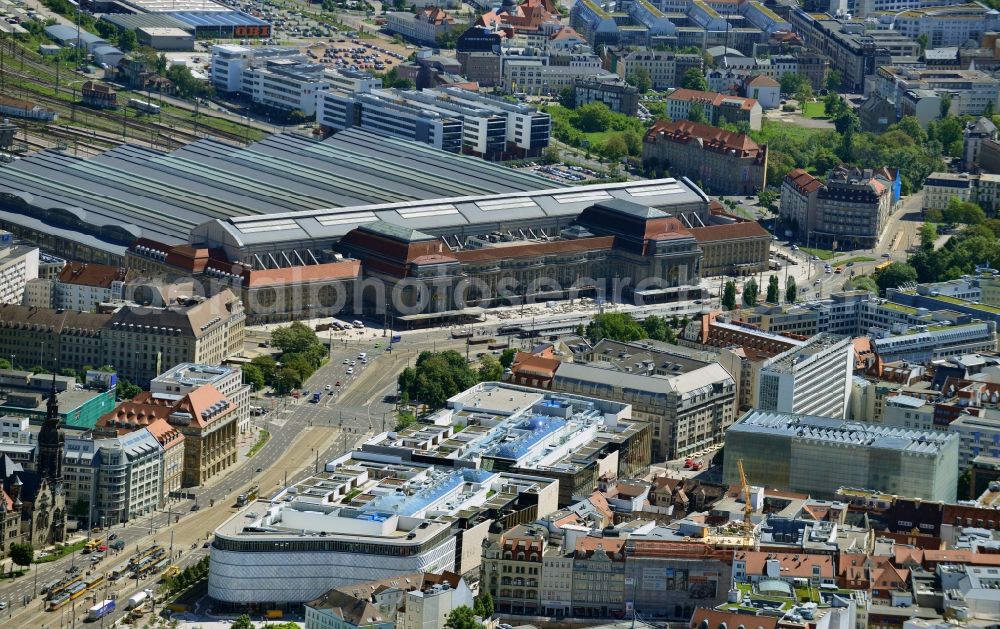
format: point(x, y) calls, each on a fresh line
point(357, 324)
point(362, 356)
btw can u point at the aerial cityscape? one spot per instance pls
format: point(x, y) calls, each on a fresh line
point(460, 314)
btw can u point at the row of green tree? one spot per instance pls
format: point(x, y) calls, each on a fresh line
point(436, 376)
point(301, 354)
point(619, 326)
point(751, 292)
point(975, 244)
point(187, 577)
point(124, 38)
point(904, 146)
point(571, 126)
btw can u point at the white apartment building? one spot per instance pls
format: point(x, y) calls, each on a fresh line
point(545, 73)
point(14, 429)
point(940, 188)
point(943, 25)
point(812, 379)
point(938, 341)
point(429, 608)
point(970, 90)
point(18, 266)
point(282, 78)
point(286, 84)
point(186, 377)
point(114, 480)
point(906, 411)
point(977, 435)
point(665, 68)
point(450, 119)
point(81, 286)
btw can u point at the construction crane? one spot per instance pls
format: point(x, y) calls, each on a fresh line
point(747, 506)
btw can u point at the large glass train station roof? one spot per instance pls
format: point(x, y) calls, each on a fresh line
point(130, 192)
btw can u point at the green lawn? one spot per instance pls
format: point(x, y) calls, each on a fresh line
point(814, 110)
point(62, 552)
point(822, 254)
point(261, 442)
point(774, 129)
point(856, 260)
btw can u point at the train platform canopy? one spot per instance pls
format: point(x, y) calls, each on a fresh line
point(106, 202)
point(135, 21)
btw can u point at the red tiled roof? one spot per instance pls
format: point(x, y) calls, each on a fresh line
point(86, 274)
point(590, 545)
point(711, 98)
point(167, 435)
point(712, 137)
point(345, 269)
point(792, 564)
point(529, 364)
point(803, 181)
point(732, 231)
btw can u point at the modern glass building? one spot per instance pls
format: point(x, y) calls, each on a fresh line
point(818, 455)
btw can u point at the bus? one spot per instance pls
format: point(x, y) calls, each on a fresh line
point(882, 265)
point(839, 269)
point(91, 546)
point(94, 582)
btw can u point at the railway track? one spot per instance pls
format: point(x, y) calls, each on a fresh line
point(166, 132)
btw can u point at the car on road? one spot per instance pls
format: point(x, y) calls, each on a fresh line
point(850, 264)
point(112, 537)
point(814, 258)
point(329, 386)
point(350, 370)
point(195, 507)
point(818, 281)
point(346, 361)
point(378, 345)
point(886, 255)
point(354, 362)
point(338, 383)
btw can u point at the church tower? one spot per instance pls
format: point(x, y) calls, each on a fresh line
point(50, 440)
